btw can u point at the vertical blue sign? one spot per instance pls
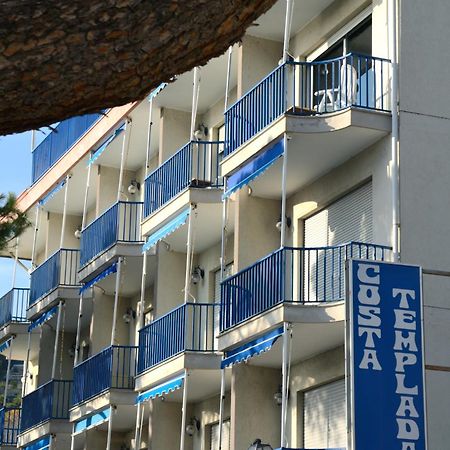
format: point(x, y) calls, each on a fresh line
point(385, 359)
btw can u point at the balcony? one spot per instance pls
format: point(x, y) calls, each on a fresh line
point(337, 107)
point(59, 141)
point(182, 339)
point(54, 279)
point(302, 286)
point(50, 401)
point(112, 368)
point(13, 306)
point(9, 426)
point(115, 233)
point(189, 177)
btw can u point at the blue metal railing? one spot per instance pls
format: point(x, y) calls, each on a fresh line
point(59, 141)
point(189, 327)
point(112, 368)
point(298, 275)
point(9, 425)
point(195, 165)
point(49, 401)
point(60, 270)
point(309, 88)
point(119, 223)
point(13, 306)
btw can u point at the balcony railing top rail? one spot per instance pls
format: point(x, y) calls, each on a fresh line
point(119, 223)
point(59, 270)
point(59, 141)
point(290, 274)
point(13, 306)
point(309, 88)
point(9, 425)
point(47, 402)
point(112, 368)
point(196, 164)
point(188, 327)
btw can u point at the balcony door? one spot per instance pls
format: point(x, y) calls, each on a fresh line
point(348, 219)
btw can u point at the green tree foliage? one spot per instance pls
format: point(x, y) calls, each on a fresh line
point(12, 221)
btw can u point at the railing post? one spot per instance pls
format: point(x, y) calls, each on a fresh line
point(8, 371)
point(116, 300)
point(184, 409)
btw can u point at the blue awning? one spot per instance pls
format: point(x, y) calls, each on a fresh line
point(5, 345)
point(105, 144)
point(52, 193)
point(156, 91)
point(43, 318)
point(166, 230)
point(254, 168)
point(158, 391)
point(253, 348)
point(108, 271)
point(91, 421)
point(41, 444)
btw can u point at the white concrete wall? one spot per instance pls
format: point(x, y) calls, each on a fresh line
point(174, 132)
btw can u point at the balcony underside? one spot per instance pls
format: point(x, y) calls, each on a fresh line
point(124, 419)
point(19, 345)
point(108, 257)
point(203, 381)
point(61, 428)
point(51, 299)
point(122, 398)
point(207, 220)
point(315, 329)
point(317, 145)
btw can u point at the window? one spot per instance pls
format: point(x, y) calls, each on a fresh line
point(226, 436)
point(217, 279)
point(324, 416)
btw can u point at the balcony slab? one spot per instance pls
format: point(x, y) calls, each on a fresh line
point(315, 328)
point(116, 397)
point(109, 256)
point(317, 145)
point(20, 343)
point(52, 299)
point(192, 361)
point(62, 429)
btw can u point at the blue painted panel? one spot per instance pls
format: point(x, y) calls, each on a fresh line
point(387, 366)
point(162, 389)
point(92, 421)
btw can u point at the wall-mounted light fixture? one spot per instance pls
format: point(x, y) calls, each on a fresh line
point(278, 396)
point(279, 224)
point(129, 315)
point(201, 132)
point(193, 426)
point(134, 187)
point(77, 233)
point(258, 445)
point(197, 274)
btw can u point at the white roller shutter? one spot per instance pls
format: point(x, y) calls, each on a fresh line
point(348, 219)
point(214, 444)
point(324, 417)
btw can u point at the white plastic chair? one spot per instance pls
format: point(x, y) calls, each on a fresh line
point(334, 99)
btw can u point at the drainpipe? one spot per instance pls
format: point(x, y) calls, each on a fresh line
point(86, 193)
point(36, 229)
point(137, 440)
point(140, 323)
point(395, 170)
point(222, 405)
point(227, 84)
point(195, 94)
point(33, 139)
point(25, 369)
point(16, 259)
point(108, 441)
point(116, 301)
point(287, 29)
point(285, 386)
point(63, 224)
point(184, 409)
point(149, 137)
point(187, 280)
point(8, 370)
point(122, 158)
point(55, 350)
point(77, 339)
point(283, 191)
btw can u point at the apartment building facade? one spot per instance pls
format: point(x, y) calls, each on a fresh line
point(188, 251)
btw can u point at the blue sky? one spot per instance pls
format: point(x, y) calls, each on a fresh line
point(15, 176)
